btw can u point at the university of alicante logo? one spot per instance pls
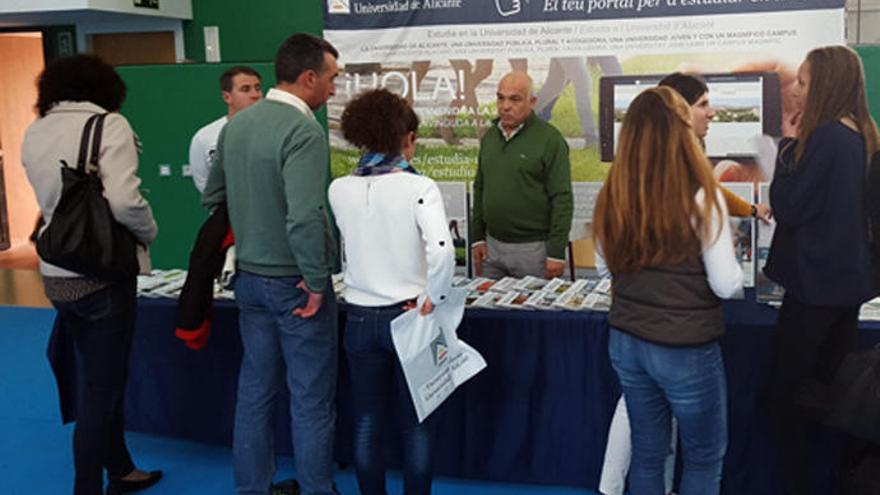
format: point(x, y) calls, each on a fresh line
point(508, 7)
point(439, 349)
point(339, 6)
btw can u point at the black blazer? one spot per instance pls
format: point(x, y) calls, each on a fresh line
point(820, 251)
point(872, 197)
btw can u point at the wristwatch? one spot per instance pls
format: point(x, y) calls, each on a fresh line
point(754, 211)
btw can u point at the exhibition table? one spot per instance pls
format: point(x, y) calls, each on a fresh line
point(539, 413)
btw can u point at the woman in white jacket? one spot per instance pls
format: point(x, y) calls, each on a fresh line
point(97, 315)
point(397, 249)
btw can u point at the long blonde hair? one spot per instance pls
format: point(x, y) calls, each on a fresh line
point(646, 214)
point(837, 90)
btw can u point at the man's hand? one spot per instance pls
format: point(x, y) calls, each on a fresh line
point(479, 252)
point(554, 269)
point(763, 212)
point(313, 304)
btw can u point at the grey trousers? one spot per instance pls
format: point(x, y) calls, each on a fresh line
point(506, 259)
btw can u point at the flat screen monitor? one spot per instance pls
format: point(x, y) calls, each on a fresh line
point(746, 105)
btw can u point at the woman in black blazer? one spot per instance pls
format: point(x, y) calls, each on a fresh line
point(820, 252)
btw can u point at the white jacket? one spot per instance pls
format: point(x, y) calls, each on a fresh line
point(56, 137)
point(396, 238)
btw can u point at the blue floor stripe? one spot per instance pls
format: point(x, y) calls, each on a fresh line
point(35, 448)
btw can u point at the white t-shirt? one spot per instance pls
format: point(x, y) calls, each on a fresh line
point(201, 151)
point(396, 238)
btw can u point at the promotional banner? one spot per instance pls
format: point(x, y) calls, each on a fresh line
point(587, 59)
point(447, 56)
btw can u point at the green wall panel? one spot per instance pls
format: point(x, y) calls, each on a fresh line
point(871, 60)
point(166, 105)
point(250, 30)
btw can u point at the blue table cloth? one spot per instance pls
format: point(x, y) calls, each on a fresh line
point(539, 413)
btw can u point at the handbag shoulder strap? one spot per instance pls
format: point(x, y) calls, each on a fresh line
point(96, 141)
point(84, 143)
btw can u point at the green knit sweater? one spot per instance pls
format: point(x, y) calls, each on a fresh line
point(522, 192)
point(271, 168)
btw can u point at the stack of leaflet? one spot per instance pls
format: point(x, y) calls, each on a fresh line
point(161, 283)
point(486, 293)
point(546, 297)
point(534, 293)
point(600, 298)
point(514, 299)
point(870, 311)
point(168, 284)
point(520, 294)
point(574, 296)
point(222, 292)
point(338, 286)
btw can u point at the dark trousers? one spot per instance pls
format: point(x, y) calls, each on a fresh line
point(101, 325)
point(377, 382)
point(811, 341)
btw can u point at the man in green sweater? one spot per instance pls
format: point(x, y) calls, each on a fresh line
point(522, 192)
point(271, 169)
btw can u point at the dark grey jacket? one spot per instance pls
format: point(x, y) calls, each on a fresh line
point(670, 305)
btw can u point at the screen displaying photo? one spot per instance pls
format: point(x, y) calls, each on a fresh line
point(744, 109)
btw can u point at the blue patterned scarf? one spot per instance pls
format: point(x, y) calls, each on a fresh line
point(380, 163)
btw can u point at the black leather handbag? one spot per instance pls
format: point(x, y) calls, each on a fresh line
point(83, 236)
point(855, 396)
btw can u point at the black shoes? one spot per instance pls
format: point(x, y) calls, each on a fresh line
point(289, 487)
point(120, 486)
point(286, 487)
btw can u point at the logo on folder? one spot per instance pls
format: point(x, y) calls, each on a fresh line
point(439, 349)
point(339, 6)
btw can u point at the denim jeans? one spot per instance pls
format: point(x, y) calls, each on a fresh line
point(377, 382)
point(102, 325)
point(279, 347)
point(618, 452)
point(660, 382)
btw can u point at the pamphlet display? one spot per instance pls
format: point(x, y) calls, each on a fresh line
point(455, 201)
point(766, 290)
point(743, 231)
point(585, 194)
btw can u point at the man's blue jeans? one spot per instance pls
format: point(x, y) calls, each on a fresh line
point(378, 385)
point(279, 346)
point(687, 382)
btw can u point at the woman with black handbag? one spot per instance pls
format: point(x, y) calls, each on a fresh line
point(81, 159)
